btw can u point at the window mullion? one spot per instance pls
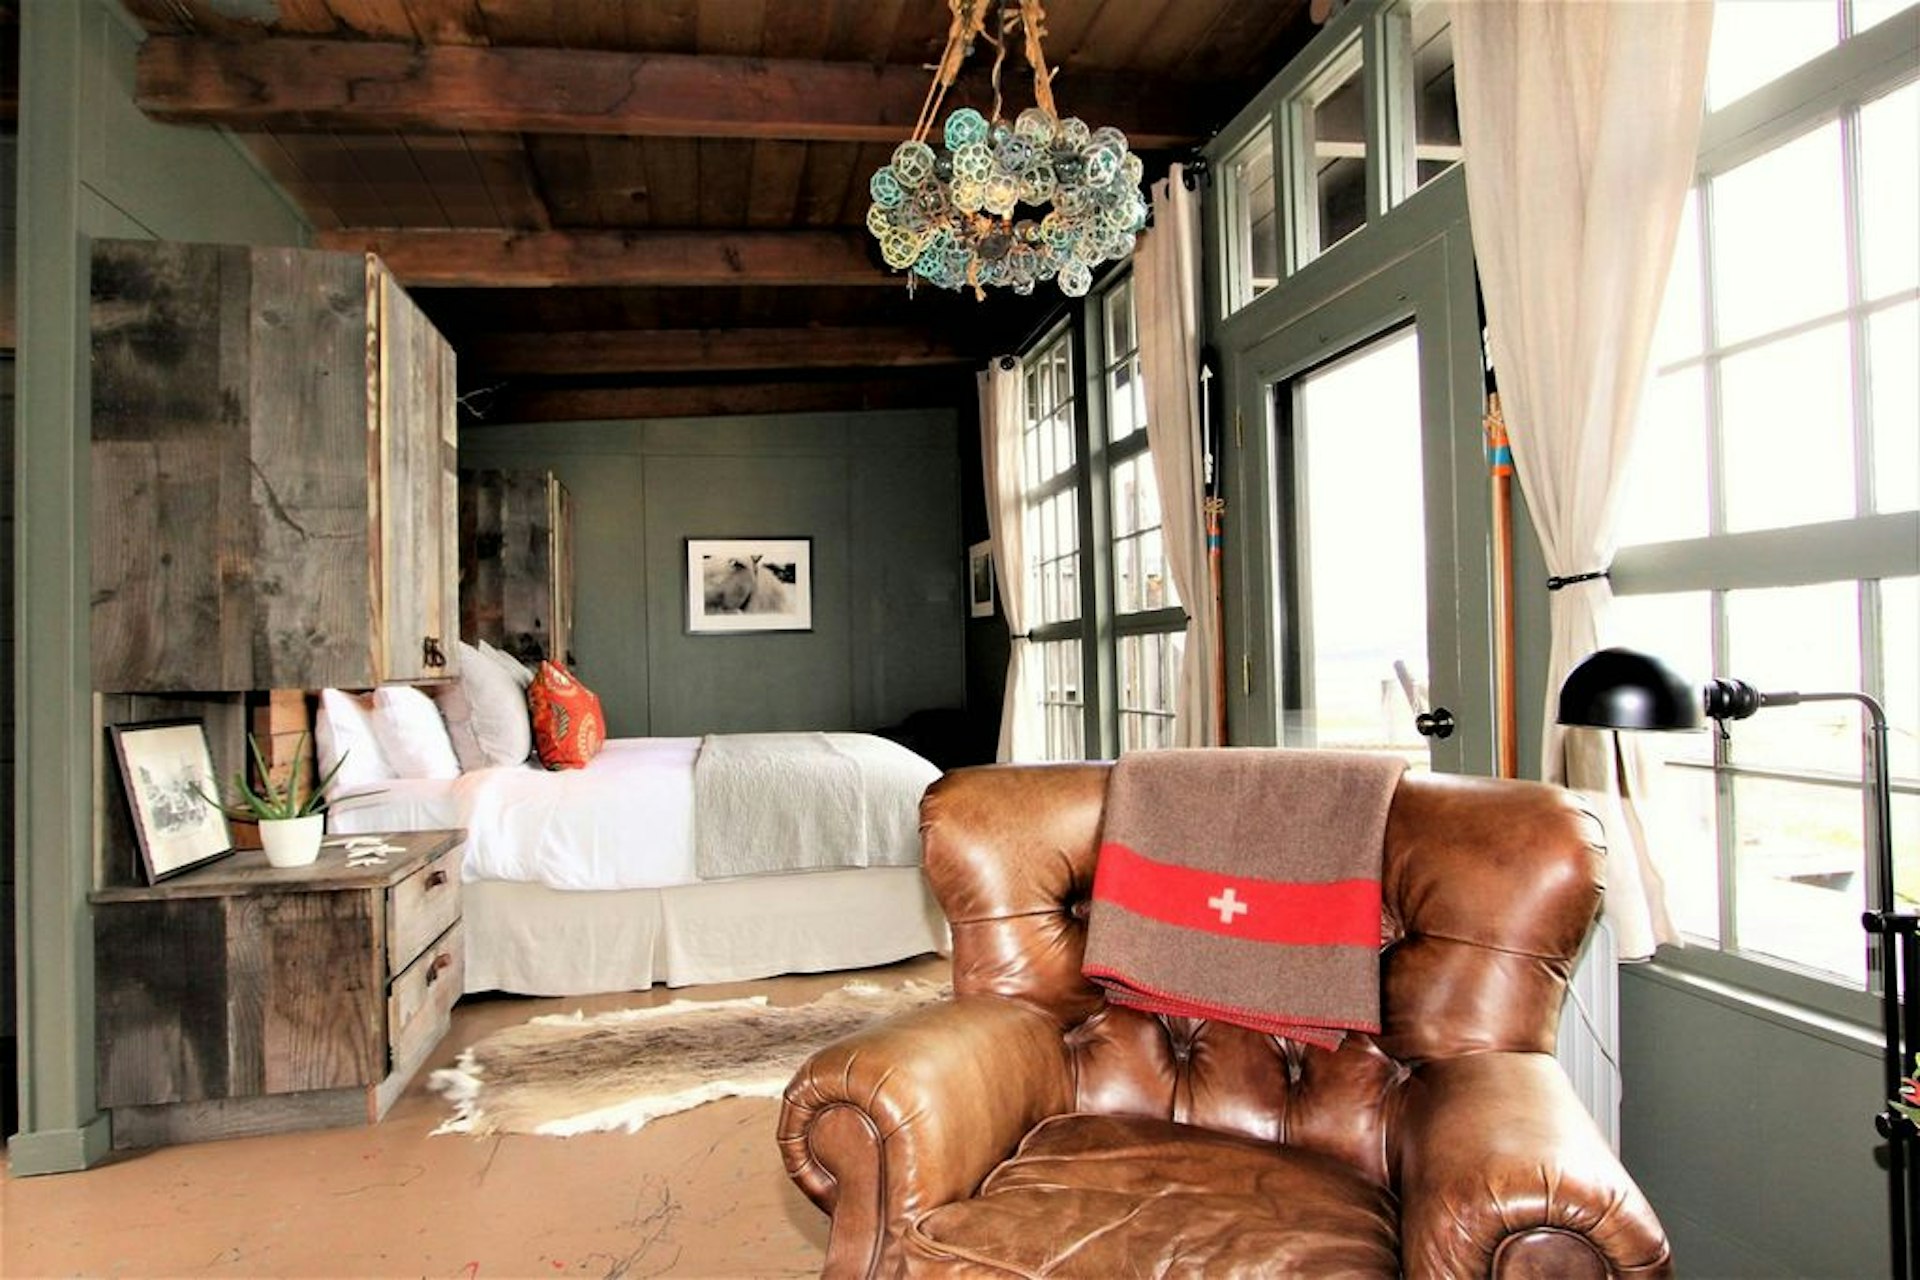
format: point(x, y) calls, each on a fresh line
point(1096, 586)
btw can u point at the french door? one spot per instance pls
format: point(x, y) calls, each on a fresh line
point(1377, 570)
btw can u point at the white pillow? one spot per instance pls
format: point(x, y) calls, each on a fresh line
point(412, 735)
point(509, 664)
point(497, 707)
point(451, 697)
point(343, 734)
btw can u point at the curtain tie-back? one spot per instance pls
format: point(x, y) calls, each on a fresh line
point(1554, 584)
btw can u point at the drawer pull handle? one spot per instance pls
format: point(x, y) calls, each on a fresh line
point(436, 879)
point(441, 961)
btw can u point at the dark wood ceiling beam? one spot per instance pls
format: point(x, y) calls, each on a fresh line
point(304, 84)
point(612, 404)
point(546, 259)
point(627, 351)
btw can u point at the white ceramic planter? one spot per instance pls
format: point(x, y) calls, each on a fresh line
point(293, 842)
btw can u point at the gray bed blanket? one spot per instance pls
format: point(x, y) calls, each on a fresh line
point(769, 802)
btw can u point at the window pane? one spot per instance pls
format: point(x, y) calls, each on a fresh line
point(1893, 338)
point(1149, 667)
point(1900, 675)
point(1126, 399)
point(1252, 230)
point(1755, 41)
point(1680, 332)
point(1787, 432)
point(1685, 835)
point(1141, 579)
point(1060, 699)
point(1799, 865)
point(1665, 496)
point(1336, 129)
point(1759, 286)
point(1362, 562)
point(1805, 639)
point(1890, 195)
point(1436, 116)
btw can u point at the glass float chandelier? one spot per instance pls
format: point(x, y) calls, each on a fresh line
point(1043, 198)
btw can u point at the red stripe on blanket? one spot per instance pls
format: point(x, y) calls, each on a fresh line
point(1332, 914)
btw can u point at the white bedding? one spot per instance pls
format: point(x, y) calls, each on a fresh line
point(624, 822)
point(774, 802)
point(629, 820)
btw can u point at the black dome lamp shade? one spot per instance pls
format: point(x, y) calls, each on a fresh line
point(1624, 689)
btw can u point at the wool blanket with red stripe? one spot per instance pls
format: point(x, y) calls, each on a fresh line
point(1244, 885)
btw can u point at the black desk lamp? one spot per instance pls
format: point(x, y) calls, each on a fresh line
point(1622, 689)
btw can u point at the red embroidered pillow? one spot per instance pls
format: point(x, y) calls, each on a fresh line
point(568, 727)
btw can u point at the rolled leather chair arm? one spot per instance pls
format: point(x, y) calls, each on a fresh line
point(1501, 1172)
point(914, 1112)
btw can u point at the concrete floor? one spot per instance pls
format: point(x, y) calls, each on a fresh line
point(702, 1193)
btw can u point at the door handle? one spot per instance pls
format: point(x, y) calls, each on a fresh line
point(1437, 723)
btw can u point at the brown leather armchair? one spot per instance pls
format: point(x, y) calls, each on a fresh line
point(1029, 1127)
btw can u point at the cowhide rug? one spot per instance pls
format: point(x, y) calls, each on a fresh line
point(570, 1073)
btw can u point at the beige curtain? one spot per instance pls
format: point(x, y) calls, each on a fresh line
point(1579, 123)
point(1166, 294)
point(1022, 734)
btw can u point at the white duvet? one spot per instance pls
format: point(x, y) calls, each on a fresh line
point(629, 819)
point(625, 822)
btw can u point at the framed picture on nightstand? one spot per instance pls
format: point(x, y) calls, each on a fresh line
point(168, 771)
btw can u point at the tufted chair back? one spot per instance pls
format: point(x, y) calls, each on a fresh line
point(1454, 1113)
point(1488, 890)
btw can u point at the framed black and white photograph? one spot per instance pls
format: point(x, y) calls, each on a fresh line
point(980, 579)
point(168, 771)
point(749, 584)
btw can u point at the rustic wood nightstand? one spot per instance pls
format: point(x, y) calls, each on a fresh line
point(241, 998)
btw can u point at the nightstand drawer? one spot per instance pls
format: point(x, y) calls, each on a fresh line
point(421, 1000)
point(420, 908)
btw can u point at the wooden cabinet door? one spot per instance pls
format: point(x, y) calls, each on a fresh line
point(516, 563)
point(229, 485)
point(416, 480)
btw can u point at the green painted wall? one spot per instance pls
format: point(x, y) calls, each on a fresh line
point(877, 492)
point(89, 165)
point(1749, 1125)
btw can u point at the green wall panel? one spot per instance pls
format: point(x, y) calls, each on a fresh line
point(1749, 1126)
point(89, 165)
point(879, 495)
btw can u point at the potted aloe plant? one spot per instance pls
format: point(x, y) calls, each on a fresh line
point(291, 823)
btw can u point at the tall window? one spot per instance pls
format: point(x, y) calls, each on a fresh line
point(1050, 441)
point(1768, 529)
point(1094, 547)
point(1149, 626)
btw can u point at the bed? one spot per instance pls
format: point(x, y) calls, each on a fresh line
point(680, 860)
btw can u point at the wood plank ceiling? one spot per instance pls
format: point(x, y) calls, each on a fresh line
point(632, 208)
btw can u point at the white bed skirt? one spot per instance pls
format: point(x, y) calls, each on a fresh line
point(532, 940)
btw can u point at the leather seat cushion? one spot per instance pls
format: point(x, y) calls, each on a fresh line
point(1092, 1195)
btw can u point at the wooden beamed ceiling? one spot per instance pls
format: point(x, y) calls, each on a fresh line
point(621, 208)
